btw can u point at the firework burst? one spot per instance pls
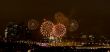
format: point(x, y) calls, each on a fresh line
point(73, 26)
point(46, 28)
point(32, 24)
point(58, 30)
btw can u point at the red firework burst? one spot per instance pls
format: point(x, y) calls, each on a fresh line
point(58, 30)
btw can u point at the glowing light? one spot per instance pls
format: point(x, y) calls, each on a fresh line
point(46, 28)
point(73, 25)
point(32, 24)
point(29, 50)
point(61, 18)
point(58, 30)
point(49, 29)
point(51, 37)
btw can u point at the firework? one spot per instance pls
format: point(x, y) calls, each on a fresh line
point(46, 28)
point(58, 30)
point(61, 18)
point(32, 24)
point(73, 25)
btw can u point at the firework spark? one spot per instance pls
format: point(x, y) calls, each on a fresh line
point(46, 28)
point(58, 30)
point(73, 26)
point(61, 18)
point(32, 24)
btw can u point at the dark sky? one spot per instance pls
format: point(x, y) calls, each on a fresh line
point(92, 15)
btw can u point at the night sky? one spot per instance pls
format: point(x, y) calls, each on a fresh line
point(92, 15)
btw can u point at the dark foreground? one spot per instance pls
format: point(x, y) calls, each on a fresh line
point(17, 47)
